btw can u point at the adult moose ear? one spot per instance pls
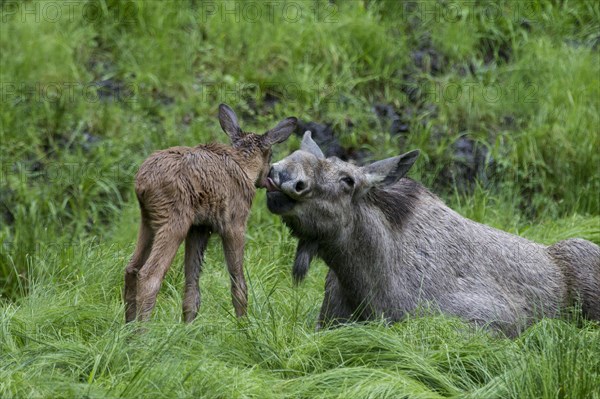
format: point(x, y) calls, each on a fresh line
point(390, 170)
point(281, 132)
point(229, 122)
point(309, 145)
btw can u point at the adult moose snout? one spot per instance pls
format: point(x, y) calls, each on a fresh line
point(289, 179)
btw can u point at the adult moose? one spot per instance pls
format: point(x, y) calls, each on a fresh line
point(391, 246)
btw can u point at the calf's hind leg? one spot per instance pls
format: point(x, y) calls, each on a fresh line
point(166, 241)
point(140, 255)
point(195, 245)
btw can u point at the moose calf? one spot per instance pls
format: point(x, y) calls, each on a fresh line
point(188, 193)
point(391, 246)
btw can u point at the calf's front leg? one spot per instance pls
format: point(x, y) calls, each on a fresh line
point(233, 245)
point(195, 245)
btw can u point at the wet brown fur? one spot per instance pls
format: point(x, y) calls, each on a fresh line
point(188, 193)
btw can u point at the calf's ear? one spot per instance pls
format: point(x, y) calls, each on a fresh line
point(390, 170)
point(281, 132)
point(229, 122)
point(309, 145)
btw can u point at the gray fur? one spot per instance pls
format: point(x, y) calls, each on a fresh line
point(304, 254)
point(187, 193)
point(309, 145)
point(392, 247)
point(392, 168)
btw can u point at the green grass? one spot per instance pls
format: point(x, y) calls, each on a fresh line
point(67, 338)
point(524, 84)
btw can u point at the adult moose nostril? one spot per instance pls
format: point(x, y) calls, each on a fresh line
point(300, 186)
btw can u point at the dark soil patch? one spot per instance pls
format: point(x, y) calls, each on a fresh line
point(325, 137)
point(390, 120)
point(428, 60)
point(494, 50)
point(7, 201)
point(264, 106)
point(161, 97)
point(468, 162)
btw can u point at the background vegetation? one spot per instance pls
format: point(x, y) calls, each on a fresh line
point(501, 97)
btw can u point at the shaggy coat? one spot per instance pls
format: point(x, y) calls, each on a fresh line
point(392, 247)
point(187, 193)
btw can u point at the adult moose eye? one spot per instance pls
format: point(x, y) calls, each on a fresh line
point(348, 181)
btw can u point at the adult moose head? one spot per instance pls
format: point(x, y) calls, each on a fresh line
point(392, 246)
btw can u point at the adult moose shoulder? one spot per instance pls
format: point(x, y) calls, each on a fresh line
point(391, 246)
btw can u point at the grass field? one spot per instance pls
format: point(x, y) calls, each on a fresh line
point(502, 98)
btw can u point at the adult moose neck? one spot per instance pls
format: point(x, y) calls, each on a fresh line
point(360, 247)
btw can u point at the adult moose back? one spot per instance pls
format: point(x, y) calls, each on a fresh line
point(392, 246)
